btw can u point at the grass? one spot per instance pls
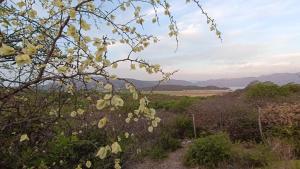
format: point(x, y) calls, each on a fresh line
point(290, 164)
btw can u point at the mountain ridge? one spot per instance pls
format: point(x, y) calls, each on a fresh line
point(277, 78)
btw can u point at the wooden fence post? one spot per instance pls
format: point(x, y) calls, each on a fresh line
point(194, 125)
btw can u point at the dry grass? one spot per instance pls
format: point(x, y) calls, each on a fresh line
point(193, 93)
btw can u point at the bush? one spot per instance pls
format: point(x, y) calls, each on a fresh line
point(291, 88)
point(253, 155)
point(270, 90)
point(290, 134)
point(174, 104)
point(166, 143)
point(69, 150)
point(284, 149)
point(244, 128)
point(157, 153)
point(209, 151)
point(183, 126)
point(263, 90)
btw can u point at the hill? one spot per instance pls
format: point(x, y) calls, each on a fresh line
point(213, 84)
point(181, 88)
point(279, 78)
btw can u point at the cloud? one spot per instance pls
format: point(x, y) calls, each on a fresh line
point(259, 66)
point(259, 37)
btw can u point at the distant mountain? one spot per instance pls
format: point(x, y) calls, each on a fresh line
point(178, 82)
point(140, 84)
point(146, 84)
point(181, 88)
point(278, 78)
point(120, 84)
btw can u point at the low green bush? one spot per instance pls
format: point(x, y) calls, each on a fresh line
point(178, 104)
point(217, 151)
point(156, 153)
point(209, 151)
point(183, 127)
point(70, 150)
point(263, 90)
point(168, 143)
point(164, 144)
point(291, 88)
point(255, 155)
point(62, 151)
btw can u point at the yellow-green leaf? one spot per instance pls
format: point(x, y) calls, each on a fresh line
point(116, 148)
point(6, 50)
point(24, 137)
point(102, 122)
point(88, 164)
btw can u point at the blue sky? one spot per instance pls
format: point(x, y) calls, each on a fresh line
point(259, 37)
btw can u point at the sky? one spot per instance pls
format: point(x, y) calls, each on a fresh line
point(259, 37)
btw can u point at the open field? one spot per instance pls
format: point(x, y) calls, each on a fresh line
point(193, 93)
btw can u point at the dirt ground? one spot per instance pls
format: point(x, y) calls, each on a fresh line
point(173, 161)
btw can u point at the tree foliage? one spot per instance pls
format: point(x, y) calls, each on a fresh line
point(50, 51)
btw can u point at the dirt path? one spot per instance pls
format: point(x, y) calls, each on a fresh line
point(173, 161)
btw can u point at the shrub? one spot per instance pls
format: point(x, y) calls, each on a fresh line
point(289, 133)
point(183, 126)
point(282, 147)
point(252, 155)
point(68, 150)
point(263, 90)
point(166, 143)
point(174, 104)
point(209, 151)
point(270, 90)
point(291, 164)
point(156, 153)
point(244, 129)
point(291, 88)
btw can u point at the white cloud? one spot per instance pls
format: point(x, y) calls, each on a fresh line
point(259, 37)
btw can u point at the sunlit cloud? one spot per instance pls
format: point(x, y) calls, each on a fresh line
point(260, 37)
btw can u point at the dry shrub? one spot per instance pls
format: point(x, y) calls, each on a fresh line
point(287, 114)
point(282, 121)
point(229, 113)
point(284, 150)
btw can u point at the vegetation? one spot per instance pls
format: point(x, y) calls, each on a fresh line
point(258, 155)
point(218, 151)
point(241, 147)
point(165, 144)
point(174, 104)
point(209, 151)
point(59, 107)
point(271, 90)
point(236, 114)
